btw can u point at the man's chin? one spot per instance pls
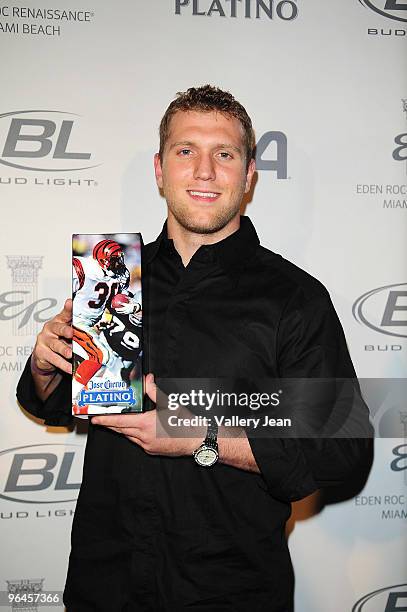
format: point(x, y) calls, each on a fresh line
point(204, 226)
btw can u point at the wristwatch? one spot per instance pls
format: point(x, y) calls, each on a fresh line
point(207, 454)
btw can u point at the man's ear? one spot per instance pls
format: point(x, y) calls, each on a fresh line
point(158, 170)
point(249, 175)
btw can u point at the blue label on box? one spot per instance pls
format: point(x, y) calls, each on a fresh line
point(117, 396)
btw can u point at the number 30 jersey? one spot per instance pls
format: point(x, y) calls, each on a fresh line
point(93, 288)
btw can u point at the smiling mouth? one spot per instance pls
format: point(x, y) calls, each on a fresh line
point(204, 196)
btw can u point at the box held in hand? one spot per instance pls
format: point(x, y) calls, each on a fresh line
point(107, 323)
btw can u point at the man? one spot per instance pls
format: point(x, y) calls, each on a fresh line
point(154, 529)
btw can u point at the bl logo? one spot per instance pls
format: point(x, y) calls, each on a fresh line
point(384, 309)
point(30, 137)
point(41, 473)
point(393, 9)
point(386, 599)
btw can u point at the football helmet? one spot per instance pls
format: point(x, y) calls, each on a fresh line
point(109, 255)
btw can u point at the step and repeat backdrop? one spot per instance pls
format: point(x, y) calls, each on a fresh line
point(84, 85)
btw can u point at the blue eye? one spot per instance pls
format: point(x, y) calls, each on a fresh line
point(185, 152)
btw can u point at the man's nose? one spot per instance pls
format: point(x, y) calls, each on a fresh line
point(204, 168)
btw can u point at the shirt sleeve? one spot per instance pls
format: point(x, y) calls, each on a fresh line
point(311, 344)
point(56, 410)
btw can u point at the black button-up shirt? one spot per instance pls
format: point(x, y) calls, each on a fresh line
point(155, 533)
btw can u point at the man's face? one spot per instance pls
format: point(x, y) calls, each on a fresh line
point(203, 173)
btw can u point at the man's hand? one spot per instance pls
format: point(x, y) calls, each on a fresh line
point(52, 348)
point(52, 351)
point(142, 429)
point(234, 447)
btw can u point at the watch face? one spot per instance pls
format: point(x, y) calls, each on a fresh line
point(206, 456)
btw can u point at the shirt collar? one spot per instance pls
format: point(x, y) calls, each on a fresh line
point(231, 252)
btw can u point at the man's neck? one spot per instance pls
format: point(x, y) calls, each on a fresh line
point(187, 242)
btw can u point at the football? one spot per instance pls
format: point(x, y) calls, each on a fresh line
point(120, 300)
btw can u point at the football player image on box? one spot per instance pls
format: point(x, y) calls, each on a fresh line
point(123, 334)
point(107, 323)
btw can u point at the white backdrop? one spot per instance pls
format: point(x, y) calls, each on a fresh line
point(92, 81)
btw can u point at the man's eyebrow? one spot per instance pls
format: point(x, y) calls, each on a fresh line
point(189, 143)
point(184, 143)
point(229, 146)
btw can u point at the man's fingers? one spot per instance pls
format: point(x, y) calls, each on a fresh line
point(61, 347)
point(61, 329)
point(63, 317)
point(63, 365)
point(66, 314)
point(66, 331)
point(46, 358)
point(120, 420)
point(46, 349)
point(52, 349)
point(150, 387)
point(135, 440)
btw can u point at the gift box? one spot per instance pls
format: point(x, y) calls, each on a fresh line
point(107, 322)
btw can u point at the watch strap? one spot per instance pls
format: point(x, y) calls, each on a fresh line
point(211, 438)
